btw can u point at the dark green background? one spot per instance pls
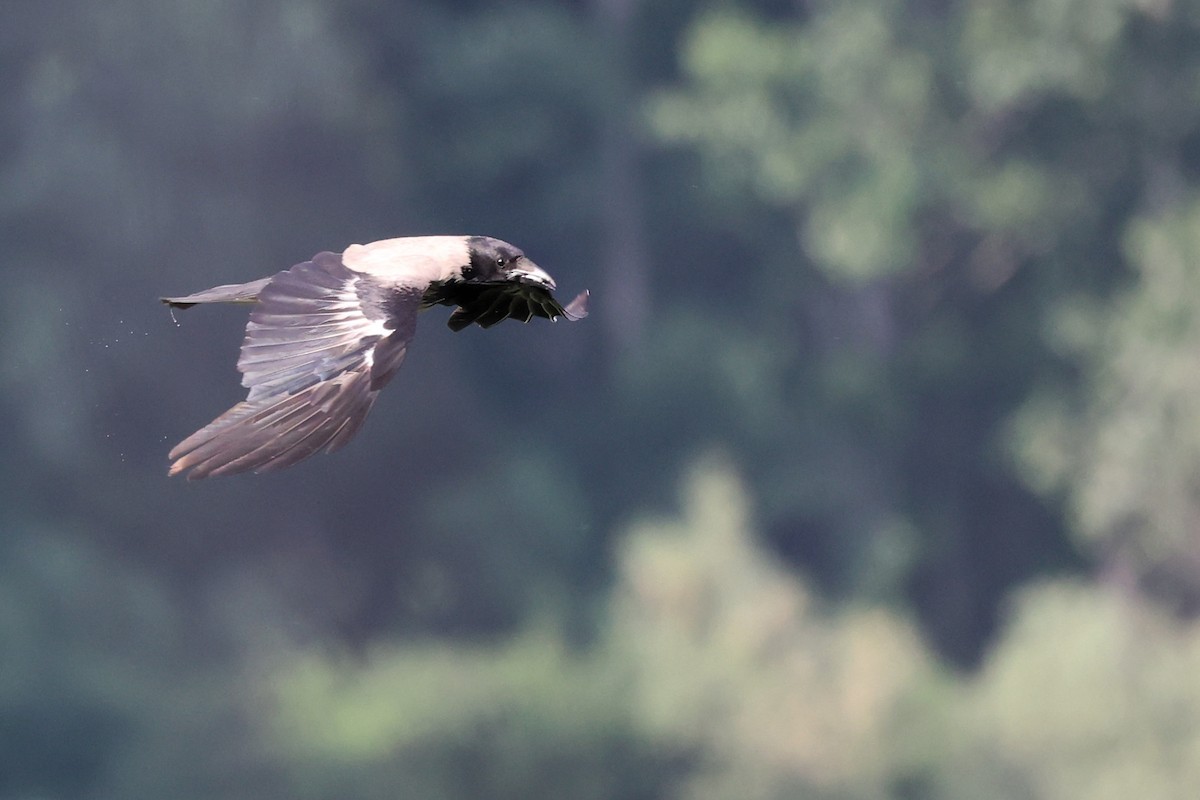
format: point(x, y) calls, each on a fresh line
point(875, 472)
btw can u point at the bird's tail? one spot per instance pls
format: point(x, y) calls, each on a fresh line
point(229, 293)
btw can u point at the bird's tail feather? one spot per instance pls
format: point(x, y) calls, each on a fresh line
point(229, 293)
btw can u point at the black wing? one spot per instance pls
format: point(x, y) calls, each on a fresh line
point(489, 303)
point(321, 342)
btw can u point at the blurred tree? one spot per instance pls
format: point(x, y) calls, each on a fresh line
point(953, 177)
point(718, 676)
point(1089, 693)
point(519, 719)
point(1124, 451)
point(108, 688)
point(733, 657)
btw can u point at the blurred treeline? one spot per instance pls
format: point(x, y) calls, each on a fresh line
point(875, 473)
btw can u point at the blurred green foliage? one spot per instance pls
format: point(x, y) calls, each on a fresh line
point(719, 674)
point(1125, 455)
point(922, 273)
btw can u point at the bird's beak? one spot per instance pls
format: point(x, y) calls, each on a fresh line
point(529, 273)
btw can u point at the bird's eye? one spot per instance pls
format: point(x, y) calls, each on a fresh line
point(500, 262)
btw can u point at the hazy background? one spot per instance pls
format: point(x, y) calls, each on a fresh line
point(875, 473)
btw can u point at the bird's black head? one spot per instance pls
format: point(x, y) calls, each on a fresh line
point(496, 261)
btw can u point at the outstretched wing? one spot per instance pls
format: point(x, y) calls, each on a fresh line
point(489, 303)
point(321, 342)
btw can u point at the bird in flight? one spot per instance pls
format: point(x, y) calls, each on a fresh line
point(327, 335)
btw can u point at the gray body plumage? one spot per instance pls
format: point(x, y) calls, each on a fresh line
point(326, 335)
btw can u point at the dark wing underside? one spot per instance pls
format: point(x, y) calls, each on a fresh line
point(489, 303)
point(320, 344)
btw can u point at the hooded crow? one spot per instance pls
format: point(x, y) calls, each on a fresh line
point(327, 335)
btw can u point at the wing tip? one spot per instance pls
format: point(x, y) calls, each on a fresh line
point(577, 309)
point(181, 465)
point(182, 461)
